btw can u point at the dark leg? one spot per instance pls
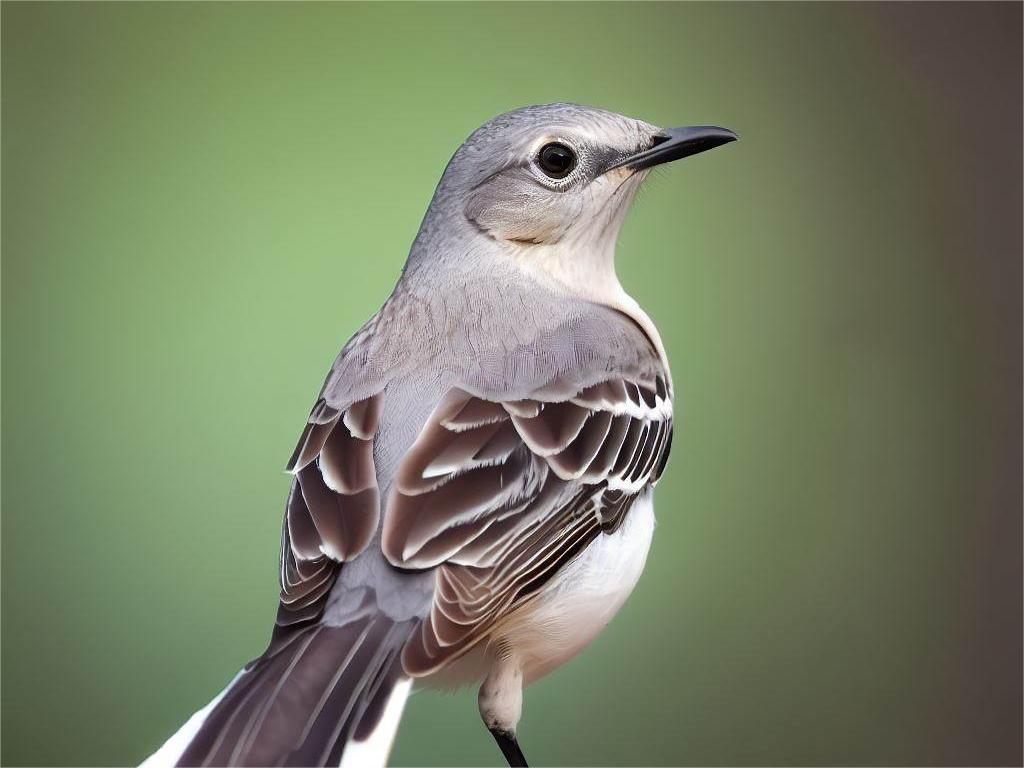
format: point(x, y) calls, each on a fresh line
point(509, 748)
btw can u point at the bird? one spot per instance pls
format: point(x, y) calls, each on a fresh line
point(472, 491)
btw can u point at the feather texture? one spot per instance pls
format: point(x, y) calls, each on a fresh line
point(301, 702)
point(497, 496)
point(333, 507)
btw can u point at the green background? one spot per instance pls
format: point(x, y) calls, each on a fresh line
point(202, 202)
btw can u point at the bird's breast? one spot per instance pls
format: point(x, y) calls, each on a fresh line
point(586, 594)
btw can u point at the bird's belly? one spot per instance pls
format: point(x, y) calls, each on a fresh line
point(585, 595)
point(570, 611)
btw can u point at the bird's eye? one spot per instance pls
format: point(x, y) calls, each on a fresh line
point(556, 160)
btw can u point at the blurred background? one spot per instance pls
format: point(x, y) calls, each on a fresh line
point(202, 202)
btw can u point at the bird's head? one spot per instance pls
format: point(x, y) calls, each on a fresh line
point(547, 188)
point(561, 174)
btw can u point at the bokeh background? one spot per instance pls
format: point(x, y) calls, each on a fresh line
point(202, 202)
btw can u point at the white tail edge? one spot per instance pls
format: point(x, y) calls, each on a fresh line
point(371, 753)
point(169, 754)
point(374, 751)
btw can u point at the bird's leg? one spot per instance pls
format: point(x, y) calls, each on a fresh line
point(501, 704)
point(509, 748)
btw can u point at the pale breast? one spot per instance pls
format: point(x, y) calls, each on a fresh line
point(585, 595)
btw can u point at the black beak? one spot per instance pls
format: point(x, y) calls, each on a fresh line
point(675, 143)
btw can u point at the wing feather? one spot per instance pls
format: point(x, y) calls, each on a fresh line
point(333, 506)
point(499, 495)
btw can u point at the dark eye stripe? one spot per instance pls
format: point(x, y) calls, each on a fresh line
point(556, 160)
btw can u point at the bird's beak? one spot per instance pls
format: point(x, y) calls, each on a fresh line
point(675, 143)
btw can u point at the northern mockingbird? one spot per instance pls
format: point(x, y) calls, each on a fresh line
point(472, 500)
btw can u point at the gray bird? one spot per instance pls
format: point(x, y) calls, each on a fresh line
point(472, 500)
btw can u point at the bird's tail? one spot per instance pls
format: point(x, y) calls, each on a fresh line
point(320, 694)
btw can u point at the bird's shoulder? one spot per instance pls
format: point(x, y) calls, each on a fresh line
point(505, 344)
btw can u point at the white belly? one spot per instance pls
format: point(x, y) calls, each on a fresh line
point(588, 592)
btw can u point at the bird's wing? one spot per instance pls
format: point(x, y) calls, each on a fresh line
point(498, 495)
point(333, 507)
point(315, 684)
point(507, 481)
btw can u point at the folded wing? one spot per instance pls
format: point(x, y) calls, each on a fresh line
point(499, 495)
point(333, 507)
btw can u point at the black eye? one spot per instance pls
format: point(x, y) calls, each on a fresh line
point(556, 160)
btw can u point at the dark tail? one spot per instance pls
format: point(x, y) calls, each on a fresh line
point(315, 689)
